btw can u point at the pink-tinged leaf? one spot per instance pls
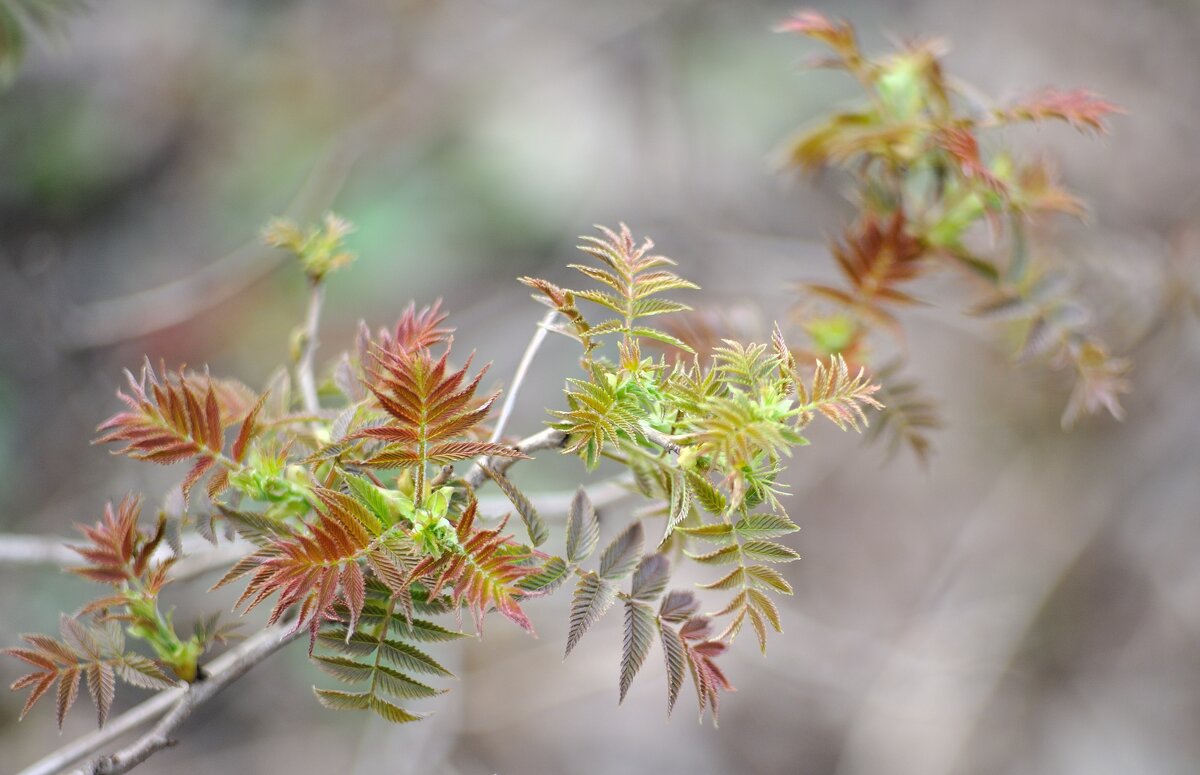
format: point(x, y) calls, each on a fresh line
point(838, 35)
point(675, 655)
point(1082, 109)
point(962, 146)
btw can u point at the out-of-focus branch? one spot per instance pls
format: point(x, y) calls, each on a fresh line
point(137, 314)
point(36, 550)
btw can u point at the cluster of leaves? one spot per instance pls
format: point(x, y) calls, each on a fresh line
point(925, 184)
point(357, 523)
point(707, 441)
point(121, 555)
point(685, 635)
point(363, 532)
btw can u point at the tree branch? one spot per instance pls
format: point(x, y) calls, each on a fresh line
point(510, 396)
point(547, 439)
point(36, 550)
point(305, 379)
point(177, 703)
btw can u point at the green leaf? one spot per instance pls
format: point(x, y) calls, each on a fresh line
point(371, 497)
point(769, 577)
point(393, 713)
point(721, 556)
point(706, 494)
point(644, 308)
point(593, 596)
point(622, 554)
point(335, 700)
point(603, 299)
point(660, 336)
point(534, 526)
point(420, 630)
point(394, 652)
point(769, 551)
point(639, 634)
point(345, 669)
point(767, 606)
point(718, 534)
point(399, 685)
point(765, 526)
point(583, 529)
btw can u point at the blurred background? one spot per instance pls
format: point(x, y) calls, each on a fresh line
point(1027, 603)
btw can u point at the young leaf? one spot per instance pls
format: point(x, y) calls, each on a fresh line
point(593, 596)
point(534, 526)
point(583, 529)
point(486, 573)
point(169, 419)
point(681, 503)
point(432, 409)
point(650, 578)
point(765, 526)
point(675, 655)
point(639, 634)
point(678, 605)
point(769, 551)
point(622, 554)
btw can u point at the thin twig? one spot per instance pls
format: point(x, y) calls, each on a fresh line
point(510, 397)
point(177, 703)
point(50, 551)
point(547, 439)
point(305, 379)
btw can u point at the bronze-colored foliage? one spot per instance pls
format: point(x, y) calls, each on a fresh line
point(431, 408)
point(486, 572)
point(924, 181)
point(93, 655)
point(364, 534)
point(171, 418)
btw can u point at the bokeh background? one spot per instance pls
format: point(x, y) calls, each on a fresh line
point(1028, 603)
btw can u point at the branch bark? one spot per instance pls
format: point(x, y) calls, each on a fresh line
point(547, 439)
point(178, 704)
point(305, 379)
point(510, 397)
